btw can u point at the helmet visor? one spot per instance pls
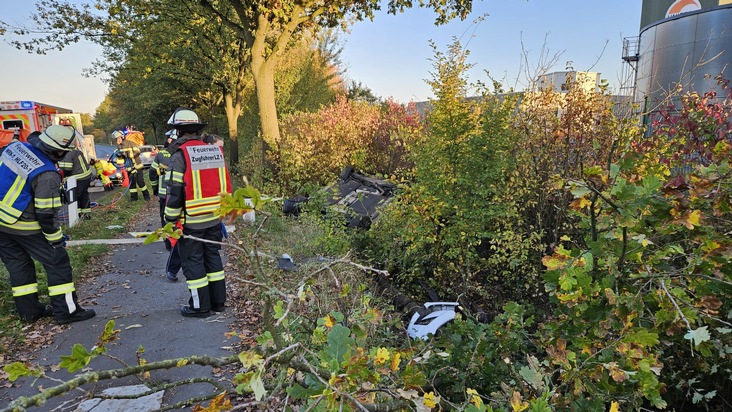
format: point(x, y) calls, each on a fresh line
point(59, 137)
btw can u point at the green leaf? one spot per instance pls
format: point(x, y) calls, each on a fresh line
point(579, 191)
point(258, 385)
point(614, 170)
point(297, 391)
point(279, 310)
point(16, 370)
point(532, 374)
point(265, 339)
point(339, 341)
point(642, 337)
point(243, 382)
point(567, 281)
point(593, 171)
point(78, 359)
point(589, 261)
point(698, 335)
point(651, 184)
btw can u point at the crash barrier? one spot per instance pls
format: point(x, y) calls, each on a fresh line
point(357, 196)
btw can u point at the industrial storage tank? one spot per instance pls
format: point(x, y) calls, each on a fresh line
point(684, 43)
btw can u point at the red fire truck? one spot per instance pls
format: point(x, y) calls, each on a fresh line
point(22, 117)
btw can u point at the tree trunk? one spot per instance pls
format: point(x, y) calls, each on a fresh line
point(233, 110)
point(263, 67)
point(264, 82)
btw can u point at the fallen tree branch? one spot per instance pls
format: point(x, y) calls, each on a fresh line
point(20, 404)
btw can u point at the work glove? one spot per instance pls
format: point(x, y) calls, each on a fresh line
point(224, 232)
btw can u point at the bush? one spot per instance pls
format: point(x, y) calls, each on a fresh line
point(316, 146)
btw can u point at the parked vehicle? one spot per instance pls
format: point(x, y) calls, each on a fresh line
point(22, 117)
point(147, 154)
point(28, 116)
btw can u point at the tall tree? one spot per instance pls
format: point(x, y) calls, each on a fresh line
point(256, 32)
point(268, 26)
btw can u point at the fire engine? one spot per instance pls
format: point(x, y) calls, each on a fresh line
point(20, 118)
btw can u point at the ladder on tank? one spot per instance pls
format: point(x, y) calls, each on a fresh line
point(631, 54)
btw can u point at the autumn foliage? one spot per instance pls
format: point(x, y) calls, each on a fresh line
point(316, 146)
point(592, 258)
point(615, 242)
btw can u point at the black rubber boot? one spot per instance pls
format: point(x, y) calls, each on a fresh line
point(193, 313)
point(79, 315)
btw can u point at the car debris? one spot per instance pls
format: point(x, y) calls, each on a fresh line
point(427, 320)
point(357, 196)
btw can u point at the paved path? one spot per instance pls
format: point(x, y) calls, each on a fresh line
point(133, 291)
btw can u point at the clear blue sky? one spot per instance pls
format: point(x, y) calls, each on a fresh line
point(390, 55)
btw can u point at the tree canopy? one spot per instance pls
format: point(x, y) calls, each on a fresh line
point(228, 38)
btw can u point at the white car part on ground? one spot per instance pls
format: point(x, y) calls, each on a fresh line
point(425, 322)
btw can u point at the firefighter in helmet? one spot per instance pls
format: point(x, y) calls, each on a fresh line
point(30, 197)
point(75, 164)
point(158, 173)
point(197, 174)
point(135, 167)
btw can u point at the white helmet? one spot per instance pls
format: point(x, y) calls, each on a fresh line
point(58, 137)
point(172, 134)
point(185, 119)
point(117, 134)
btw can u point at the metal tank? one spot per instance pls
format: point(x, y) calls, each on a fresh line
point(687, 50)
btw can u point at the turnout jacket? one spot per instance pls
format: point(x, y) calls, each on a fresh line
point(131, 151)
point(197, 175)
point(158, 169)
point(75, 164)
point(30, 192)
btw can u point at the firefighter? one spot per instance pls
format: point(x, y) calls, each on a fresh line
point(30, 197)
point(195, 178)
point(135, 168)
point(102, 168)
point(74, 164)
point(157, 174)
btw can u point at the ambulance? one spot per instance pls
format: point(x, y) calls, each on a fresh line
point(19, 118)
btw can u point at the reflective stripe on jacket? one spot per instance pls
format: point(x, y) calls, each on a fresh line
point(21, 163)
point(158, 169)
point(75, 164)
point(206, 176)
point(132, 152)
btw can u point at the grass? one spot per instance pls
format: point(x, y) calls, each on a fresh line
point(109, 219)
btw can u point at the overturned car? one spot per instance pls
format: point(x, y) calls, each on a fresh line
point(357, 196)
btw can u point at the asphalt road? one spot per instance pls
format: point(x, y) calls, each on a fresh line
point(130, 289)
